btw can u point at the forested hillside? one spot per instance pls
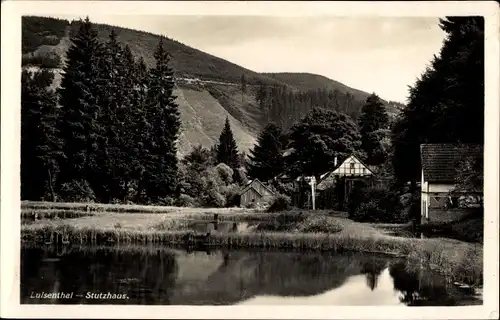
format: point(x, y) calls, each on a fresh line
point(46, 40)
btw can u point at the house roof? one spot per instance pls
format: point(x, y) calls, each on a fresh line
point(328, 173)
point(250, 186)
point(440, 161)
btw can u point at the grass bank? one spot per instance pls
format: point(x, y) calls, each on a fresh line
point(459, 260)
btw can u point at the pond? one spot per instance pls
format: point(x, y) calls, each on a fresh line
point(150, 275)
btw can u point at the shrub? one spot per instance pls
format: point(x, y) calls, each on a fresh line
point(213, 198)
point(375, 205)
point(48, 60)
point(232, 195)
point(283, 188)
point(322, 224)
point(286, 221)
point(279, 202)
point(77, 191)
point(186, 201)
point(225, 173)
point(169, 224)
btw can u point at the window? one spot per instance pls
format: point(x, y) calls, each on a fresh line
point(351, 169)
point(364, 170)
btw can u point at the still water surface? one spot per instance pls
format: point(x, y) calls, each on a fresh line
point(163, 276)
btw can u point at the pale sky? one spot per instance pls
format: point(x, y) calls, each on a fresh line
point(375, 54)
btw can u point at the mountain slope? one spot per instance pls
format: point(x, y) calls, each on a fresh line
point(308, 81)
point(203, 107)
point(203, 118)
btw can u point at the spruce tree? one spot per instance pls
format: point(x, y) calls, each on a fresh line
point(266, 158)
point(112, 153)
point(40, 141)
point(372, 123)
point(162, 129)
point(79, 98)
point(227, 151)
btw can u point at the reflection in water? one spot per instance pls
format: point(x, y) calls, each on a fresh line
point(154, 275)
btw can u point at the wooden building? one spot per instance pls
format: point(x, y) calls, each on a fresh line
point(346, 174)
point(255, 192)
point(439, 200)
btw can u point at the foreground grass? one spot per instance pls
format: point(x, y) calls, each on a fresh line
point(459, 260)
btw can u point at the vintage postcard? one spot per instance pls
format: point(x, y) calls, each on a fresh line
point(250, 159)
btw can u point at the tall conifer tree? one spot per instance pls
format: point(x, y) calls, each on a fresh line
point(40, 141)
point(266, 158)
point(79, 97)
point(162, 129)
point(227, 150)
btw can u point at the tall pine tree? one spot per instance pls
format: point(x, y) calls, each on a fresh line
point(40, 141)
point(227, 151)
point(79, 97)
point(266, 158)
point(162, 129)
point(112, 148)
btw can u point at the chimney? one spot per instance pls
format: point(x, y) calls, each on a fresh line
point(335, 161)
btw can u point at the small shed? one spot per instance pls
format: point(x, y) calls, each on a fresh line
point(255, 192)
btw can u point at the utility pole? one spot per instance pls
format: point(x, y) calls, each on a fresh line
point(313, 189)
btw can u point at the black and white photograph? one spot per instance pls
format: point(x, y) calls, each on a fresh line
point(232, 158)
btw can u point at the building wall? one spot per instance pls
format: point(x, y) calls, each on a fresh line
point(440, 188)
point(352, 166)
point(434, 200)
point(250, 196)
point(256, 193)
point(437, 215)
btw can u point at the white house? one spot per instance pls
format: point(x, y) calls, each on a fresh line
point(439, 171)
point(351, 167)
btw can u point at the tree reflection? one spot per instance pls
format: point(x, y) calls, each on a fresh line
point(420, 286)
point(372, 268)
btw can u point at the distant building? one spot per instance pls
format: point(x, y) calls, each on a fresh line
point(352, 169)
point(255, 192)
point(439, 172)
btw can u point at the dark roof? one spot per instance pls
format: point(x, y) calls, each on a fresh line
point(440, 161)
point(249, 186)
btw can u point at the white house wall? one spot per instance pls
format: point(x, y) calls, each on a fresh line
point(352, 166)
point(440, 188)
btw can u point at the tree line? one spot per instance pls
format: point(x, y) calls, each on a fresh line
point(108, 133)
point(284, 106)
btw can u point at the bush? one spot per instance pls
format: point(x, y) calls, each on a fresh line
point(186, 201)
point(213, 198)
point(225, 173)
point(49, 60)
point(283, 188)
point(279, 202)
point(77, 191)
point(232, 195)
point(284, 222)
point(376, 205)
point(322, 224)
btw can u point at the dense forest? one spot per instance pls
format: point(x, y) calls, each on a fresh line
point(109, 133)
